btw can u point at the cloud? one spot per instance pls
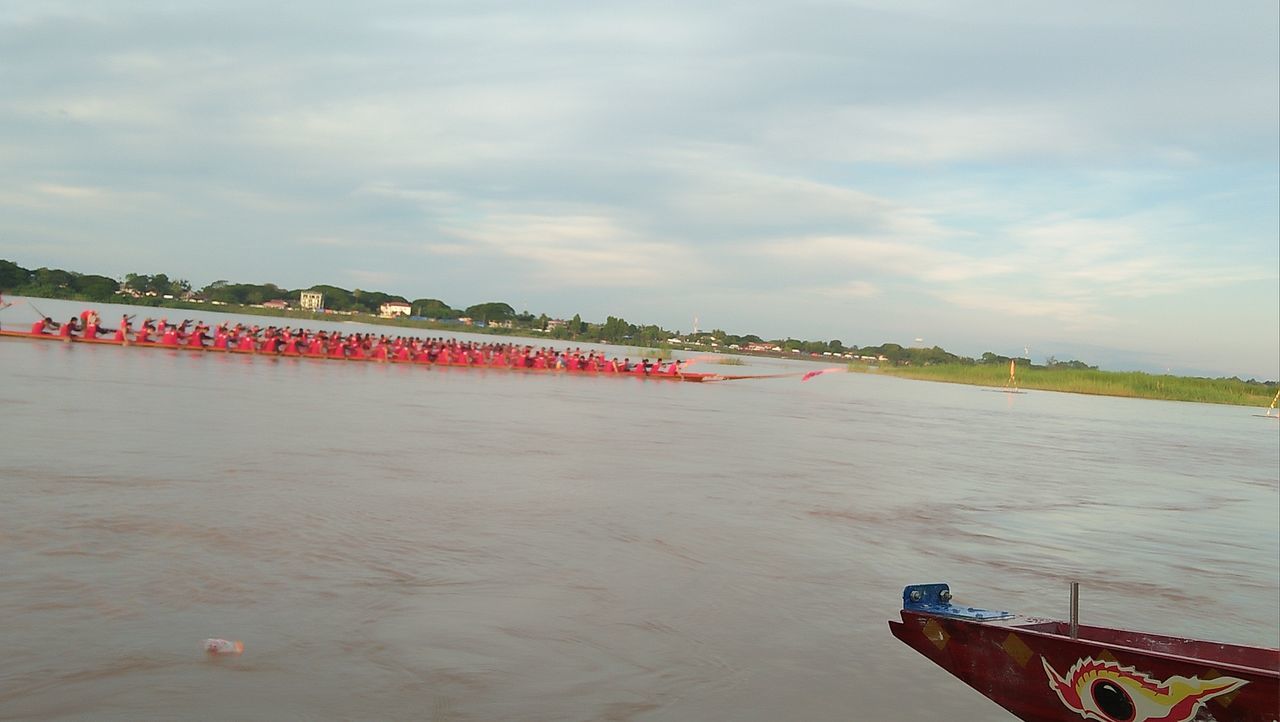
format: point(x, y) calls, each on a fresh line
point(52, 196)
point(849, 290)
point(1072, 312)
point(579, 249)
point(378, 279)
point(1075, 163)
point(1133, 257)
point(890, 256)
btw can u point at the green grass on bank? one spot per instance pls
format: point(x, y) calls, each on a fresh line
point(1133, 384)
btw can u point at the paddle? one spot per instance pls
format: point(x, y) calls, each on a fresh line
point(33, 308)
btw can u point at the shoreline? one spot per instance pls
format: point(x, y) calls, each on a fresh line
point(1118, 384)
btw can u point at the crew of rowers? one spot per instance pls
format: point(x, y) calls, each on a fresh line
point(303, 342)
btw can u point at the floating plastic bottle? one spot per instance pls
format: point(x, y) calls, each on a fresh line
point(223, 646)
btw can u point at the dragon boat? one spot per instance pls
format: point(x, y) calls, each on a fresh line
point(182, 348)
point(1044, 670)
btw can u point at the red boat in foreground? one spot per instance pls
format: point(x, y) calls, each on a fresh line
point(1044, 670)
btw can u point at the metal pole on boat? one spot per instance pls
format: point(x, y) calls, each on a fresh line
point(1075, 610)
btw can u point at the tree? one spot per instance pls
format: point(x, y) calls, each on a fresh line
point(433, 308)
point(12, 275)
point(95, 288)
point(53, 278)
point(137, 282)
point(493, 311)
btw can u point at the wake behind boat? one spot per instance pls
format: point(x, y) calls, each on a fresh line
point(1043, 670)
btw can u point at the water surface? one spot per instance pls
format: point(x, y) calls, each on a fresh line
point(407, 543)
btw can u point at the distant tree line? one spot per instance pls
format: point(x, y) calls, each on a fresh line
point(158, 289)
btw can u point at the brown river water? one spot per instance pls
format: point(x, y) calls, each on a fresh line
point(404, 543)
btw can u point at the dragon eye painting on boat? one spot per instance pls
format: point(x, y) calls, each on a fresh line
point(1107, 692)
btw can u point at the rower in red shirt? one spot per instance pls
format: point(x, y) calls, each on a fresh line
point(170, 336)
point(67, 329)
point(38, 328)
point(122, 331)
point(196, 338)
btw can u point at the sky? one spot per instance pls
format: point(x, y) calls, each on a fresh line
point(1088, 180)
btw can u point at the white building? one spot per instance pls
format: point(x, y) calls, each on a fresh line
point(391, 309)
point(311, 301)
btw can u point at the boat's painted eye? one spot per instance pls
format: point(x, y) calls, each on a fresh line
point(1113, 700)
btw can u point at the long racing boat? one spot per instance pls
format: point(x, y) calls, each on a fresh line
point(183, 348)
point(1044, 670)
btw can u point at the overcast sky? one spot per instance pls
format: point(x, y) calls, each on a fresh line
point(1092, 180)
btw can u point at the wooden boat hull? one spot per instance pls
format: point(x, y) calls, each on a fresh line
point(1037, 671)
point(690, 377)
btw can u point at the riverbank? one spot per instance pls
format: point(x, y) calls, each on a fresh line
point(1129, 384)
point(1231, 391)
